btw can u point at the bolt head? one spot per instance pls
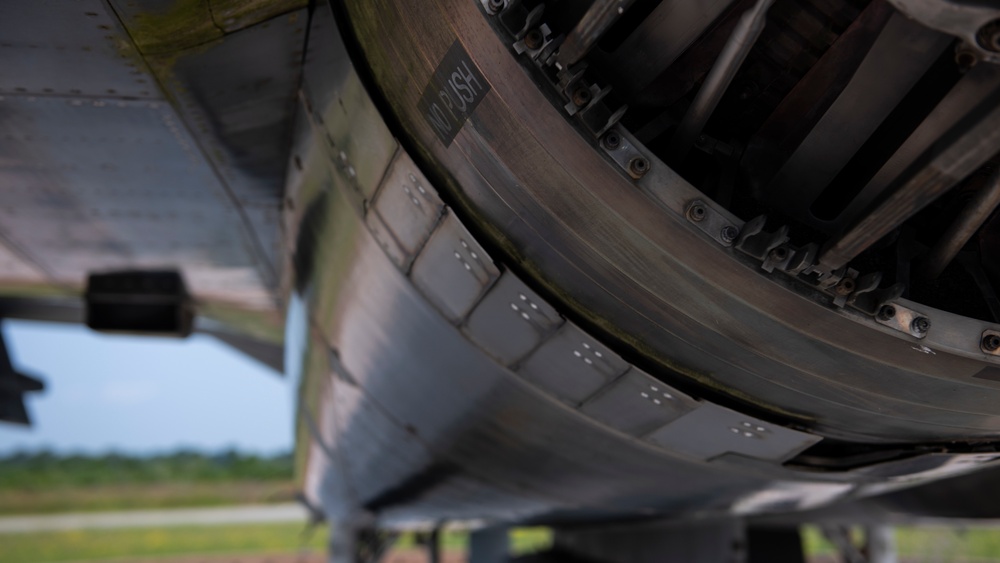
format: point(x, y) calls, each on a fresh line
point(697, 213)
point(612, 140)
point(845, 286)
point(581, 96)
point(638, 166)
point(991, 342)
point(729, 233)
point(534, 39)
point(988, 36)
point(920, 325)
point(886, 312)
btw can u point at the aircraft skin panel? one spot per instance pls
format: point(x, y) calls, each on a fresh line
point(501, 303)
point(118, 153)
point(491, 379)
point(626, 257)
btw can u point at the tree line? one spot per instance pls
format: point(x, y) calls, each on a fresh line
point(44, 469)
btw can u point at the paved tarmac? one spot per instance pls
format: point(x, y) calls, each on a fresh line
point(215, 516)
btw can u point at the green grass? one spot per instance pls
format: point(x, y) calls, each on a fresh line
point(930, 543)
point(914, 543)
point(139, 497)
point(95, 545)
point(44, 470)
point(41, 483)
point(83, 545)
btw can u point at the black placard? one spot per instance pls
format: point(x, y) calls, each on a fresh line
point(453, 93)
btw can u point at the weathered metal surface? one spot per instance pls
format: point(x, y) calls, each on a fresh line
point(453, 271)
point(471, 407)
point(105, 183)
point(660, 39)
point(897, 59)
point(963, 150)
point(641, 268)
point(105, 170)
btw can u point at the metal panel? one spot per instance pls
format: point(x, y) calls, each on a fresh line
point(978, 84)
point(408, 206)
point(92, 184)
point(238, 98)
point(898, 58)
point(452, 270)
point(14, 267)
point(388, 242)
point(572, 365)
point(711, 430)
point(356, 135)
point(69, 47)
point(637, 404)
point(511, 320)
point(662, 37)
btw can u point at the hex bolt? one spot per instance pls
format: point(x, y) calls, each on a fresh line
point(991, 342)
point(638, 166)
point(886, 312)
point(845, 287)
point(581, 96)
point(729, 233)
point(534, 39)
point(966, 58)
point(988, 36)
point(612, 140)
point(920, 325)
point(495, 6)
point(697, 213)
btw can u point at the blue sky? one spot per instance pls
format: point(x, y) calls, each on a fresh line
point(143, 395)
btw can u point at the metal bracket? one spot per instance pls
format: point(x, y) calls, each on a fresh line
point(712, 222)
point(976, 23)
point(867, 298)
point(990, 342)
point(758, 243)
point(622, 149)
point(597, 117)
point(533, 45)
point(903, 319)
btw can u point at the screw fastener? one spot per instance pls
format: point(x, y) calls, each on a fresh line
point(920, 325)
point(845, 287)
point(534, 39)
point(778, 254)
point(696, 213)
point(612, 140)
point(581, 96)
point(638, 166)
point(886, 312)
point(991, 342)
point(729, 233)
point(495, 6)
